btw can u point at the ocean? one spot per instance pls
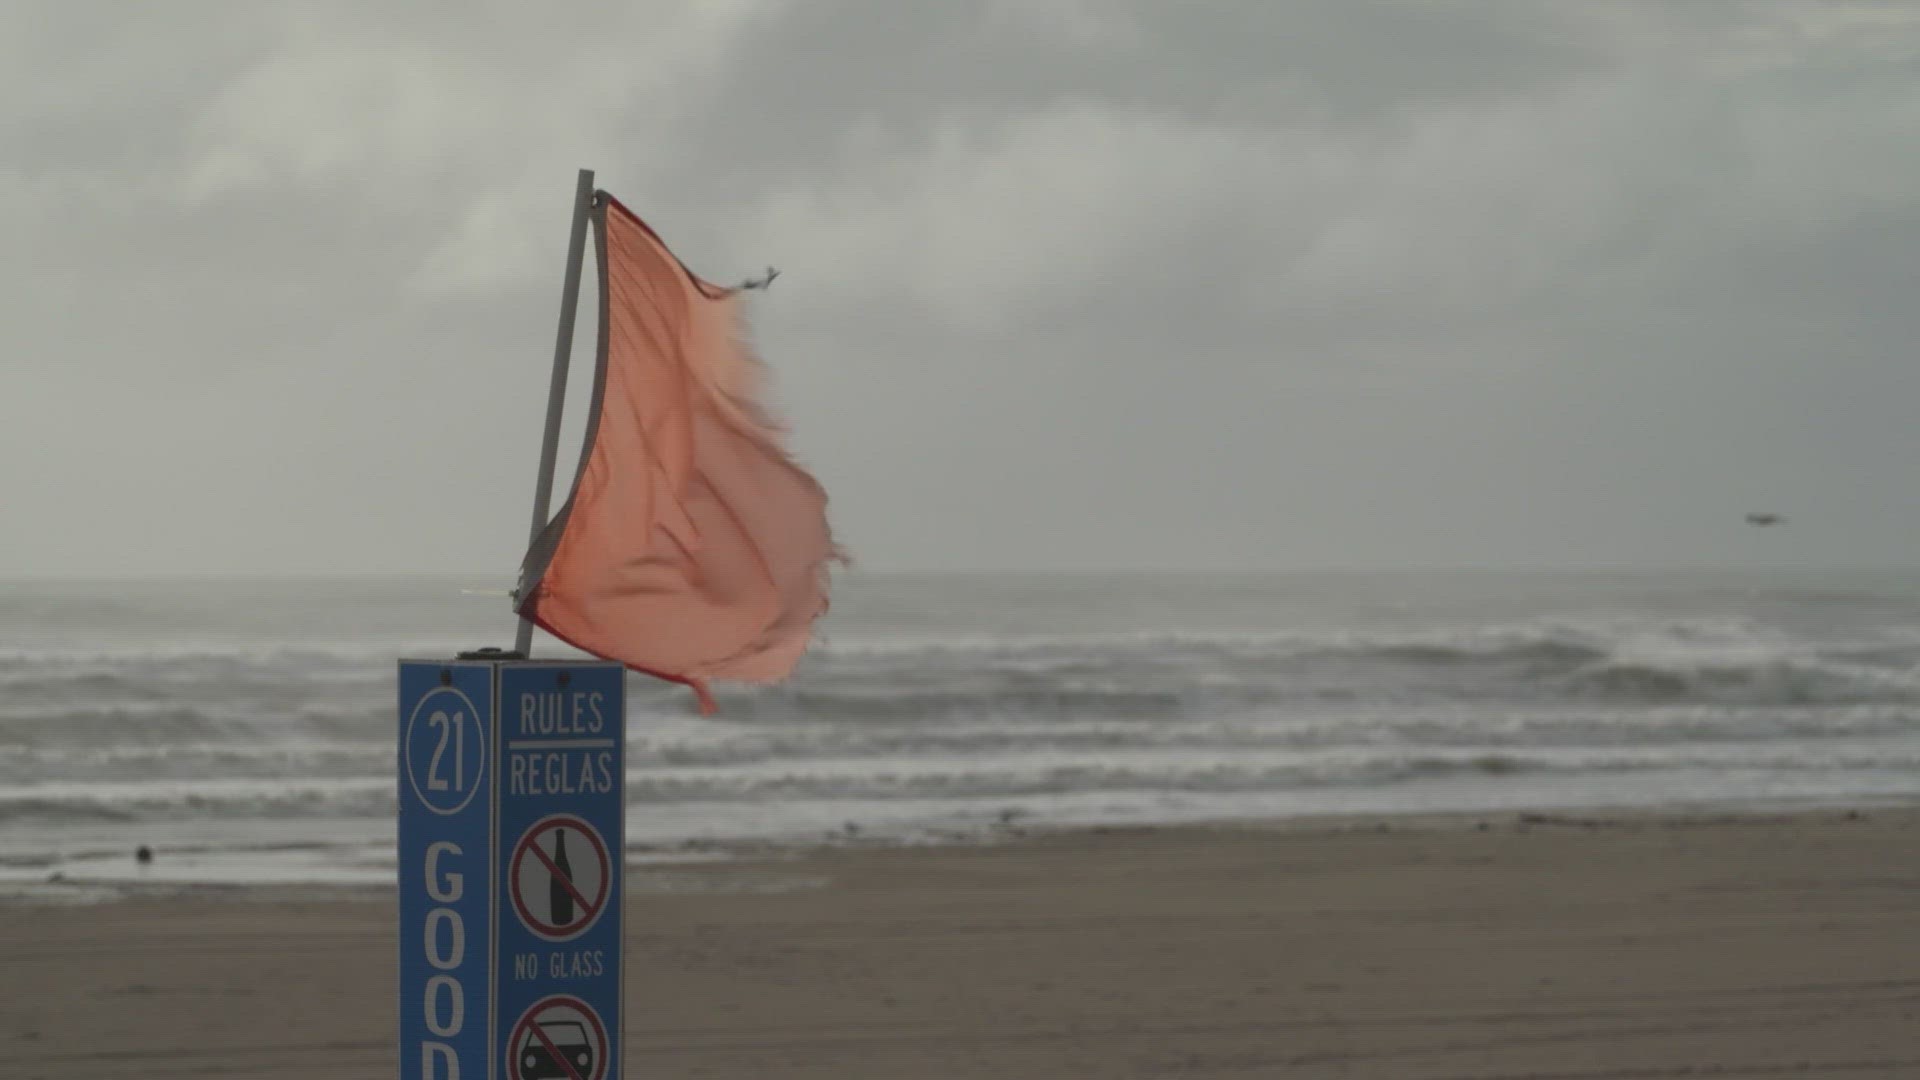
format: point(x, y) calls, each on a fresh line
point(245, 729)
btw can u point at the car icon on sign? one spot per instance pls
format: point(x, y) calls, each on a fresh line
point(569, 1039)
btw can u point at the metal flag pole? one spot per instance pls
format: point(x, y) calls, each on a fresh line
point(557, 389)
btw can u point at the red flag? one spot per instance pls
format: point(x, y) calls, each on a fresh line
point(692, 547)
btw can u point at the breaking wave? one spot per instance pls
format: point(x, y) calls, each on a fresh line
point(88, 698)
point(985, 778)
point(224, 735)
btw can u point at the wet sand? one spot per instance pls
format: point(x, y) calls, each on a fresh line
point(1571, 948)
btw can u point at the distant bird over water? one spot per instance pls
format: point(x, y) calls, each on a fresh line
point(1764, 520)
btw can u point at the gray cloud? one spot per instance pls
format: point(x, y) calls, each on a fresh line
point(1066, 284)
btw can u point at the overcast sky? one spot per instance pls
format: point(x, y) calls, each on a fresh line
point(1065, 283)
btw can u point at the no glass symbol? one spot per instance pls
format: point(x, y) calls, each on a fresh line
point(559, 877)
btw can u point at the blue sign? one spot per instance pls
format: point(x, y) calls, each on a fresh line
point(562, 831)
point(512, 826)
point(446, 868)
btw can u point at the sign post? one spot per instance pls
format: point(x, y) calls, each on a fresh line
point(512, 788)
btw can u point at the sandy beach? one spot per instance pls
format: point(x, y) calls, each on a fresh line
point(1615, 947)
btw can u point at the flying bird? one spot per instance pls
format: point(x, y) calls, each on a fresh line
point(1764, 520)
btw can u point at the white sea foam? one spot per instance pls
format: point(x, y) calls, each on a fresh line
point(216, 718)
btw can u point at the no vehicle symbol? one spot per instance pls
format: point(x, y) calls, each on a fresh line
point(559, 877)
point(558, 1038)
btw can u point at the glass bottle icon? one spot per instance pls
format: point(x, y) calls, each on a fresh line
point(559, 891)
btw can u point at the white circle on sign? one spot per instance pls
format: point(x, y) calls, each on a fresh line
point(560, 877)
point(558, 1038)
point(446, 759)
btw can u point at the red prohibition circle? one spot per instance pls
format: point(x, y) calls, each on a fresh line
point(592, 907)
point(528, 1021)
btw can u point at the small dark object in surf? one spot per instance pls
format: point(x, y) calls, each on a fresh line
point(143, 855)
